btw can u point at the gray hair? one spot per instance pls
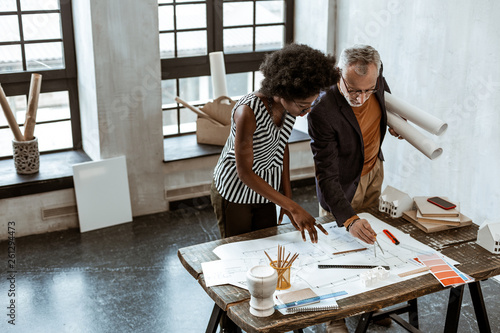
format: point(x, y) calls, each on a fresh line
point(361, 56)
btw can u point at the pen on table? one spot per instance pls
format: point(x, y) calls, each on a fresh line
point(391, 236)
point(349, 251)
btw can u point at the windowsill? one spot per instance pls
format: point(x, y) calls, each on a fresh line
point(56, 169)
point(56, 173)
point(186, 147)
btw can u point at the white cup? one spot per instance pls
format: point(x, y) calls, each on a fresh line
point(261, 282)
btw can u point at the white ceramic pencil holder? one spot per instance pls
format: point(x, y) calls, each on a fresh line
point(261, 283)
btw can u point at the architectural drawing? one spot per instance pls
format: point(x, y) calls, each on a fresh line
point(305, 271)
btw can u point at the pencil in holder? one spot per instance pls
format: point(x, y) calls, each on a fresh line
point(283, 274)
point(26, 156)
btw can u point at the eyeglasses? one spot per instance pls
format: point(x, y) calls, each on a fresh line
point(356, 93)
point(302, 111)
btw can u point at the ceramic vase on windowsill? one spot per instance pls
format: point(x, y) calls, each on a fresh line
point(26, 156)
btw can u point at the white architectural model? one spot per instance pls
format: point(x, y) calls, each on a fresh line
point(488, 236)
point(373, 276)
point(394, 202)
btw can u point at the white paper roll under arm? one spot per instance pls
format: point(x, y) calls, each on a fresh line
point(417, 116)
point(425, 145)
point(218, 73)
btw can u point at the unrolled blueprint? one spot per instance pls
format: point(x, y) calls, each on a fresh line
point(305, 271)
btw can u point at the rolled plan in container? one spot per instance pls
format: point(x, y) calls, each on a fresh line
point(425, 145)
point(417, 116)
point(218, 73)
point(9, 115)
point(34, 94)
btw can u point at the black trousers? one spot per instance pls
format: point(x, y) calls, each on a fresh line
point(236, 219)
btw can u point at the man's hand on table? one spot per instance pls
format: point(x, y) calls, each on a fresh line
point(362, 229)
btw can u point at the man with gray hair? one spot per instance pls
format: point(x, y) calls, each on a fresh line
point(347, 126)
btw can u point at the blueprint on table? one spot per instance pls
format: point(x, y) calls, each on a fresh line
point(305, 271)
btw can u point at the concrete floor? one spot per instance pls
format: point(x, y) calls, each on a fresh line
point(128, 278)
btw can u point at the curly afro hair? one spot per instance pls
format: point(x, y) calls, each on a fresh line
point(297, 71)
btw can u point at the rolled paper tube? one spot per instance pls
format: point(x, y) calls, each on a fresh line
point(14, 127)
point(197, 111)
point(218, 73)
point(29, 123)
point(425, 145)
point(417, 116)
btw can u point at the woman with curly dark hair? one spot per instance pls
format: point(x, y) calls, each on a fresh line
point(255, 160)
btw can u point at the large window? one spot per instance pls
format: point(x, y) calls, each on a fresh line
point(37, 37)
point(190, 30)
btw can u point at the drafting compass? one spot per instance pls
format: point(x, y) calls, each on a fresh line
point(375, 248)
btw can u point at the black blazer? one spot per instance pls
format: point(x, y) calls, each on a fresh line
point(338, 149)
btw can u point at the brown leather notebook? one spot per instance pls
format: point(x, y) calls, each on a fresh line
point(297, 295)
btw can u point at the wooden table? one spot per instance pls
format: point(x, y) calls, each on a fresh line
point(458, 244)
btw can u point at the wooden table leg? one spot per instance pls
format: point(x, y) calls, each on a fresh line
point(479, 308)
point(363, 323)
point(214, 319)
point(453, 313)
point(413, 312)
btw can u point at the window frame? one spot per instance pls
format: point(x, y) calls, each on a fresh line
point(56, 80)
point(188, 67)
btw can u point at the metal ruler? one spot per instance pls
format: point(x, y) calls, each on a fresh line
point(352, 266)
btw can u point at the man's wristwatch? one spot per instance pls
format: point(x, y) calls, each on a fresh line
point(350, 224)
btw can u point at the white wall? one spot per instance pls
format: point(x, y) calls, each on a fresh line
point(444, 57)
point(119, 80)
point(314, 26)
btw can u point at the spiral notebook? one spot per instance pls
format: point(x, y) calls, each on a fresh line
point(323, 305)
point(295, 302)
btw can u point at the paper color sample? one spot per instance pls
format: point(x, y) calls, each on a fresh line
point(102, 193)
point(446, 274)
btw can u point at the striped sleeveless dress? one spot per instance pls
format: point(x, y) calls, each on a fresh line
point(269, 143)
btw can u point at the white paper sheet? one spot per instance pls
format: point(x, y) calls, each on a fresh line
point(305, 271)
point(230, 271)
point(218, 73)
point(425, 145)
point(417, 116)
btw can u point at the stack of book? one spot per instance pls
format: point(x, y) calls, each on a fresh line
point(431, 218)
